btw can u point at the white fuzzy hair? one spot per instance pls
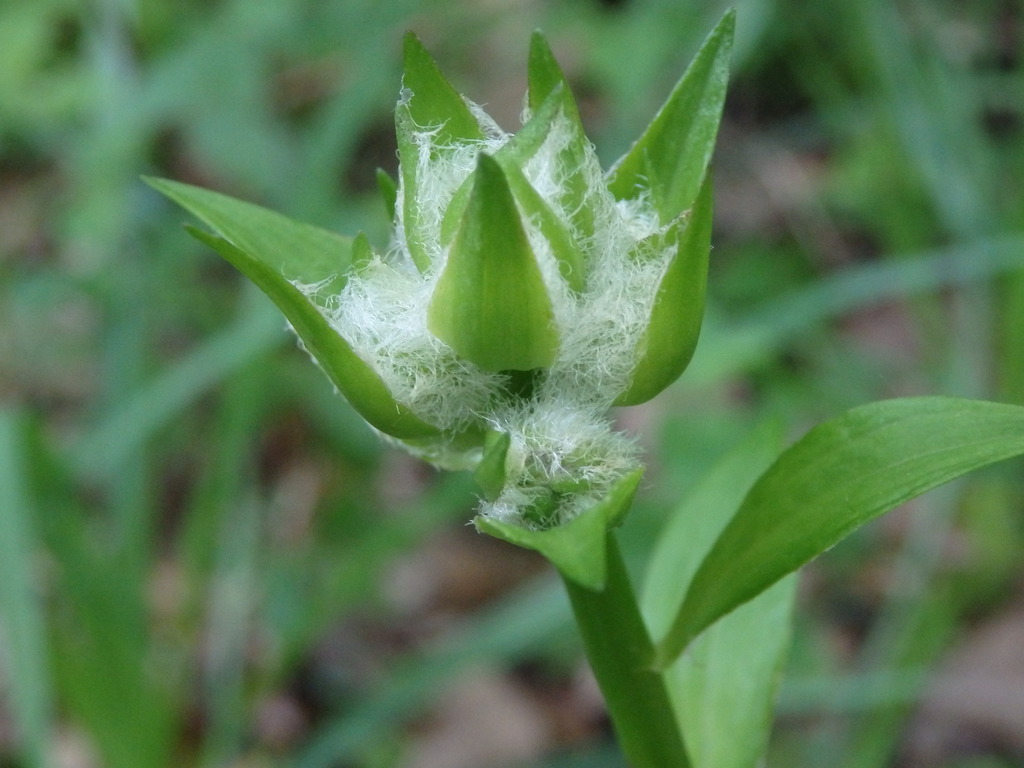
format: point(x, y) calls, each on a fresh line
point(560, 436)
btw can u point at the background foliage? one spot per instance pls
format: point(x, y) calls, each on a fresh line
point(206, 559)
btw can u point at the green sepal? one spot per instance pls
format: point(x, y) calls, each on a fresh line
point(490, 473)
point(671, 158)
point(490, 303)
point(576, 548)
point(429, 102)
point(672, 332)
point(388, 191)
point(355, 380)
point(362, 253)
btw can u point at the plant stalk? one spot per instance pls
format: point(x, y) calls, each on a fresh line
point(620, 652)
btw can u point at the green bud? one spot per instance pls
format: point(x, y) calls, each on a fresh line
point(490, 304)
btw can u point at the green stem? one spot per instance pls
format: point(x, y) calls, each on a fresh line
point(620, 653)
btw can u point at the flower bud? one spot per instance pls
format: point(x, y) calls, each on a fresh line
point(490, 304)
point(524, 292)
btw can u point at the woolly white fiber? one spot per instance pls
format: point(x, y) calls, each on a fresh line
point(562, 443)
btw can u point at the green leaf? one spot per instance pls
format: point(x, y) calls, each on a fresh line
point(356, 381)
point(300, 252)
point(672, 332)
point(840, 475)
point(723, 688)
point(577, 548)
point(671, 157)
point(490, 303)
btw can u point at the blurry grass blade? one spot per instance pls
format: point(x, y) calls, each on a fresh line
point(765, 331)
point(577, 548)
point(389, 192)
point(23, 635)
point(672, 332)
point(840, 475)
point(490, 473)
point(490, 304)
point(359, 384)
point(300, 252)
point(537, 611)
point(672, 155)
point(723, 689)
point(121, 434)
point(232, 602)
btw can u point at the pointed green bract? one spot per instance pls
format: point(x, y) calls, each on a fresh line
point(671, 157)
point(275, 252)
point(490, 472)
point(840, 475)
point(490, 304)
point(299, 252)
point(674, 328)
point(577, 548)
point(356, 381)
point(362, 252)
point(431, 100)
point(388, 191)
point(723, 688)
point(429, 103)
point(543, 73)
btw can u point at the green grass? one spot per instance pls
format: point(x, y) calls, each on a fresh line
point(192, 524)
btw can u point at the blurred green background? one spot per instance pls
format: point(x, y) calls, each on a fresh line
point(207, 560)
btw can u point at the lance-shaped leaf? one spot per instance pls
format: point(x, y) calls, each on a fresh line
point(671, 157)
point(674, 327)
point(840, 475)
point(490, 303)
point(429, 105)
point(273, 251)
point(576, 548)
